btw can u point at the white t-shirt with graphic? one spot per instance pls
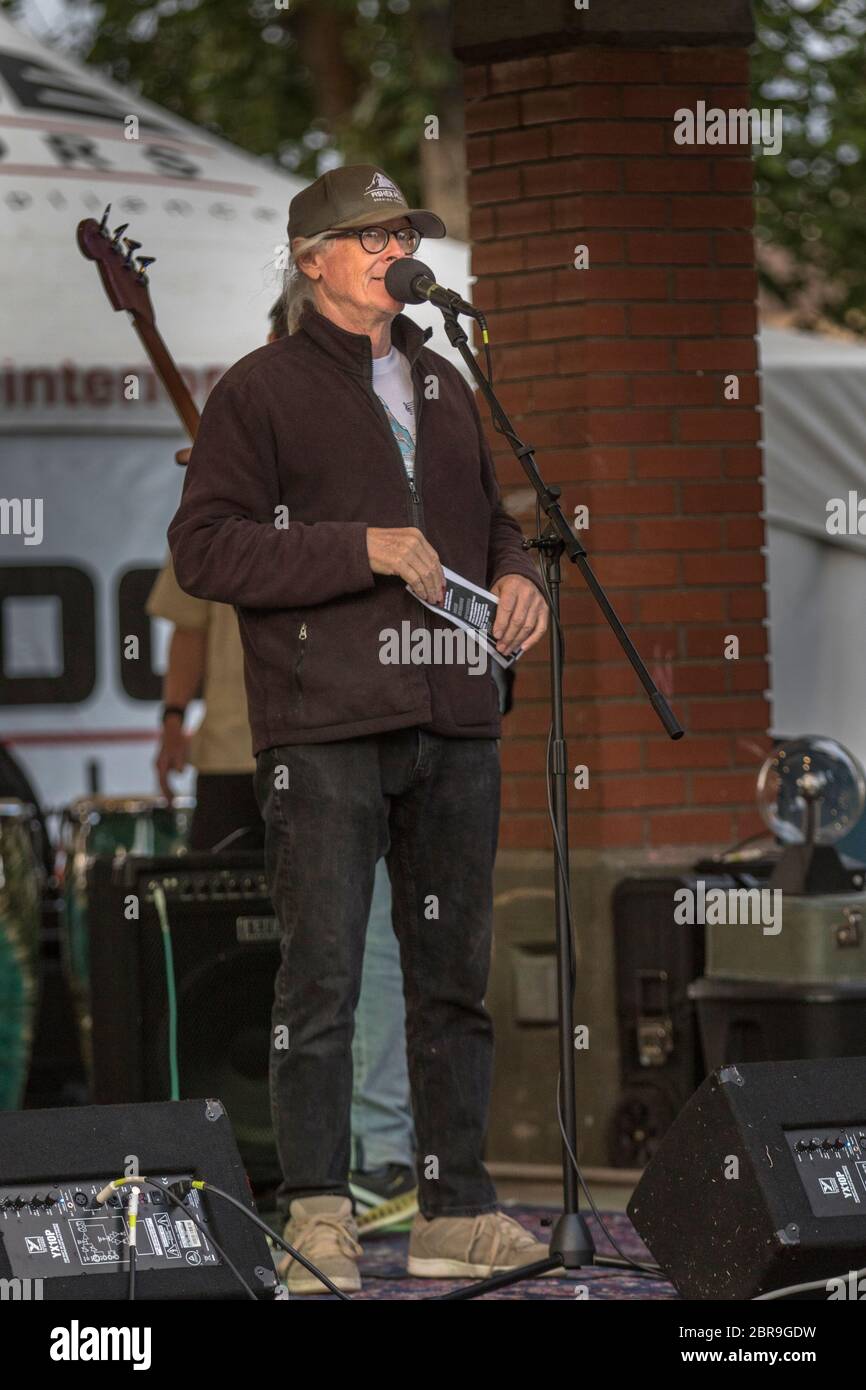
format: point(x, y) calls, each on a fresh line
point(392, 382)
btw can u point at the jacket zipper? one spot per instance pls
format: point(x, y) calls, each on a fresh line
point(419, 399)
point(417, 505)
point(302, 651)
point(416, 502)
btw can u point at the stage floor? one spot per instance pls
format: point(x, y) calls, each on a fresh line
point(383, 1266)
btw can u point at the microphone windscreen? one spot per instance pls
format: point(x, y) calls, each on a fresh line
point(399, 277)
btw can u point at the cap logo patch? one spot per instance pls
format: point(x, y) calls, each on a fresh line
point(382, 190)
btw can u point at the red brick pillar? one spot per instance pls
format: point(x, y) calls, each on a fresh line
point(617, 373)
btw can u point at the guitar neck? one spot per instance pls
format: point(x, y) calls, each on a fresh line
point(163, 365)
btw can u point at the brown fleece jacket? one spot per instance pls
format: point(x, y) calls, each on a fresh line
point(297, 425)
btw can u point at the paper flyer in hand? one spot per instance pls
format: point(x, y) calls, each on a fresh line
point(472, 608)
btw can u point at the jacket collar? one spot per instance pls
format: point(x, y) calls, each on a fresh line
point(353, 351)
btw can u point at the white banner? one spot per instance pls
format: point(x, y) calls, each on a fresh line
point(81, 663)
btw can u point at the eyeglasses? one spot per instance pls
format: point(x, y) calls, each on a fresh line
point(375, 239)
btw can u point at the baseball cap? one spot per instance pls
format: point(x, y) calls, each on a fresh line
point(355, 195)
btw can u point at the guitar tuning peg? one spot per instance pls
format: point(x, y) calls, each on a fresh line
point(103, 226)
point(118, 231)
point(130, 247)
point(143, 263)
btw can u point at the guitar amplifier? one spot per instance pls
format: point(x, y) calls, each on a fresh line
point(224, 952)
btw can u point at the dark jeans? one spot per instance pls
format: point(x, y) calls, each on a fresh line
point(431, 806)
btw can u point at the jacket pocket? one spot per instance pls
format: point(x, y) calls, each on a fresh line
point(471, 696)
point(337, 674)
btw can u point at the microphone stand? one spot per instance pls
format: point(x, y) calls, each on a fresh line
point(571, 1244)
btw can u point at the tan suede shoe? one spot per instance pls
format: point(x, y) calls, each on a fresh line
point(473, 1247)
point(323, 1229)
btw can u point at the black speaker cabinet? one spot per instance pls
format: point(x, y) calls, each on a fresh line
point(768, 1020)
point(659, 1043)
point(225, 949)
point(760, 1183)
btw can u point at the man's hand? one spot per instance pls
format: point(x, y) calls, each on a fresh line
point(405, 551)
point(521, 618)
point(173, 754)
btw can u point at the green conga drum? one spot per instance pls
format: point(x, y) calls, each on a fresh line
point(21, 880)
point(107, 827)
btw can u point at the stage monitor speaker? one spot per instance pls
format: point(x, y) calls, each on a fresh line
point(225, 948)
point(54, 1162)
point(760, 1183)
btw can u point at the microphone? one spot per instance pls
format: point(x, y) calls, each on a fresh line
point(412, 282)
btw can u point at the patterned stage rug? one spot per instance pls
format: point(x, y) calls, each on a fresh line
point(383, 1266)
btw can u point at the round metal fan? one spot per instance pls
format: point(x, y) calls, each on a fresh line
point(811, 792)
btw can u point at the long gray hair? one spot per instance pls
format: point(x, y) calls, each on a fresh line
point(298, 288)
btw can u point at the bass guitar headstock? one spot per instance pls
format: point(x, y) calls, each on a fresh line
point(123, 274)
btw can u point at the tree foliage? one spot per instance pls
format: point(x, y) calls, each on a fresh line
point(322, 82)
point(313, 84)
point(811, 198)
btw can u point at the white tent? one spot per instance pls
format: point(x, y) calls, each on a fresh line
point(814, 404)
point(103, 466)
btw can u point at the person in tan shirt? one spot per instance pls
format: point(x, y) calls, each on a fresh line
point(206, 661)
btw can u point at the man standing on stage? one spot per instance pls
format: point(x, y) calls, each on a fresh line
point(331, 470)
point(205, 661)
